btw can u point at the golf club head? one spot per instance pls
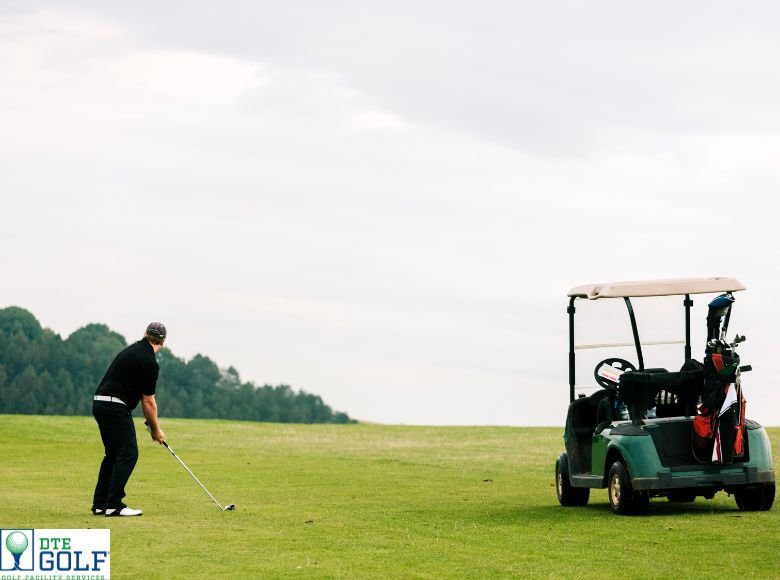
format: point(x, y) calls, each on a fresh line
point(229, 508)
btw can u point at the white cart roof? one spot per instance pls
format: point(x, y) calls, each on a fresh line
point(679, 286)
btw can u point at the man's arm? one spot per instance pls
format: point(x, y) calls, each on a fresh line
point(149, 405)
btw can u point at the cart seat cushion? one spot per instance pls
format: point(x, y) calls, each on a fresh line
point(639, 389)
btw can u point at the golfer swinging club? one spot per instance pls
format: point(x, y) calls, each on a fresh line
point(131, 377)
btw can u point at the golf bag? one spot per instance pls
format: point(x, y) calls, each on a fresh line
point(719, 428)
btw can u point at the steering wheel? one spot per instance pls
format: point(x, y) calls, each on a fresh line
point(620, 364)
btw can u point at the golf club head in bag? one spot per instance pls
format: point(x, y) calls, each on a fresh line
point(717, 309)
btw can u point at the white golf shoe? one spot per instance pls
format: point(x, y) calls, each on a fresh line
point(125, 511)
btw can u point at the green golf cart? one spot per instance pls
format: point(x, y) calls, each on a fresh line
point(650, 432)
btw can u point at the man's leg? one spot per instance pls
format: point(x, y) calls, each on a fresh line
point(121, 433)
point(106, 466)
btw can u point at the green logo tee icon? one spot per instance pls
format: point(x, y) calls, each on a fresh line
point(17, 543)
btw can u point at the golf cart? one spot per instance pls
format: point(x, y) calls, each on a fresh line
point(648, 432)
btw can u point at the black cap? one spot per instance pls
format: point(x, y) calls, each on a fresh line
point(157, 330)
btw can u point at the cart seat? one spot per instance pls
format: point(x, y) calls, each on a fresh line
point(640, 389)
point(637, 390)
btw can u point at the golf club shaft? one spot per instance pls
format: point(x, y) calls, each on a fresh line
point(192, 474)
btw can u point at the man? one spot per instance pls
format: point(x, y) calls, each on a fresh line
point(131, 377)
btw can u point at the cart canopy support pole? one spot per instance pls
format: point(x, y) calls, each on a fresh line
point(570, 310)
point(636, 333)
point(687, 303)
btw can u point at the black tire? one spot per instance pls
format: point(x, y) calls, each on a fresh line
point(568, 495)
point(755, 498)
point(682, 496)
point(622, 498)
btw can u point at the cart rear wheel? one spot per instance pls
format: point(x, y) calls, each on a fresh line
point(568, 495)
point(622, 498)
point(755, 498)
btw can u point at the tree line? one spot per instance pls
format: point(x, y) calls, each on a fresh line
point(42, 374)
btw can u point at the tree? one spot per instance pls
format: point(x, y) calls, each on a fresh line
point(41, 373)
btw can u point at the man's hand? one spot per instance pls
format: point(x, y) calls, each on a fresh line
point(158, 436)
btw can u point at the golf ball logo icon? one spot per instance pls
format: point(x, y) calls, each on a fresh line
point(17, 543)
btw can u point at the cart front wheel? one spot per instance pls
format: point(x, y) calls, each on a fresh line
point(568, 495)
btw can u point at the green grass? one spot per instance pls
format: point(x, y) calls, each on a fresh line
point(365, 501)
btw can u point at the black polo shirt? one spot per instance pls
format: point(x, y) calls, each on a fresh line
point(133, 373)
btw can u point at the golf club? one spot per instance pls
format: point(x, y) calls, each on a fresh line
point(227, 508)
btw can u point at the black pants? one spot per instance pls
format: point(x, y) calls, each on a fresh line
point(118, 433)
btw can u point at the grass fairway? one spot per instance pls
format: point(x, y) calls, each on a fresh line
point(365, 500)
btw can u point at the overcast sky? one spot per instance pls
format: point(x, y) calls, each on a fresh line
point(386, 203)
